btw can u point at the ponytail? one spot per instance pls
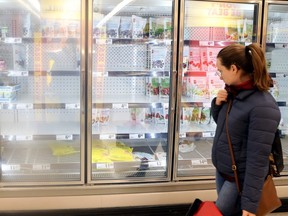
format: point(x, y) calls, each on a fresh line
point(261, 76)
point(250, 59)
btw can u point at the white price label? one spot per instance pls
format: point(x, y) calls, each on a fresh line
point(103, 41)
point(105, 165)
point(199, 162)
point(160, 163)
point(107, 136)
point(18, 73)
point(136, 136)
point(100, 74)
point(120, 106)
point(41, 167)
point(72, 106)
point(12, 167)
point(206, 43)
point(182, 135)
point(24, 138)
point(64, 137)
point(24, 106)
point(166, 105)
point(208, 134)
point(12, 40)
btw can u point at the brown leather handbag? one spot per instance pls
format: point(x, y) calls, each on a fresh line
point(269, 200)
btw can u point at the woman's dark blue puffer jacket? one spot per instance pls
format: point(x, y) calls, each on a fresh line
point(252, 123)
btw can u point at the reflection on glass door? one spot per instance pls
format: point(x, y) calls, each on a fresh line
point(130, 89)
point(40, 91)
point(276, 47)
point(208, 27)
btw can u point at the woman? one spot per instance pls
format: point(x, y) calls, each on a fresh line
point(252, 122)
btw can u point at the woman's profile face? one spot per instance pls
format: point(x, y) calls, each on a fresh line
point(229, 76)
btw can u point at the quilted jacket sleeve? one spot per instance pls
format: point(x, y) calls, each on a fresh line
point(262, 126)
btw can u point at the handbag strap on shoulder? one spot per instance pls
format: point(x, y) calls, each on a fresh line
point(234, 166)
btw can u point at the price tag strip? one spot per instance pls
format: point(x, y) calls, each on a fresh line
point(160, 163)
point(24, 106)
point(107, 136)
point(24, 138)
point(208, 134)
point(120, 106)
point(18, 73)
point(199, 162)
point(136, 136)
point(72, 106)
point(41, 167)
point(105, 165)
point(11, 167)
point(64, 137)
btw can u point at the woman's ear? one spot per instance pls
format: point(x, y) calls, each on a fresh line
point(234, 68)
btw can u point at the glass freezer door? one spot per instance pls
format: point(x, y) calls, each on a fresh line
point(276, 47)
point(130, 90)
point(208, 27)
point(40, 92)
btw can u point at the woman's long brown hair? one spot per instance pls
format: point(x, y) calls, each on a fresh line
point(250, 59)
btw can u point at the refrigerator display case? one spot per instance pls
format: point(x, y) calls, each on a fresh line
point(40, 93)
point(275, 43)
point(106, 103)
point(130, 111)
point(208, 26)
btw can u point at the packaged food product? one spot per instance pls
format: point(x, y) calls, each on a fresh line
point(148, 115)
point(194, 59)
point(187, 115)
point(196, 115)
point(212, 53)
point(137, 115)
point(8, 91)
point(143, 156)
point(100, 117)
point(62, 149)
point(197, 88)
point(152, 27)
point(138, 25)
point(3, 32)
point(158, 57)
point(112, 27)
point(164, 86)
point(27, 25)
point(152, 86)
point(203, 58)
point(99, 29)
point(2, 65)
point(186, 146)
point(159, 115)
point(214, 84)
point(125, 27)
point(205, 115)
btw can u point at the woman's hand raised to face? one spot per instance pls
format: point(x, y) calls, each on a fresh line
point(221, 97)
